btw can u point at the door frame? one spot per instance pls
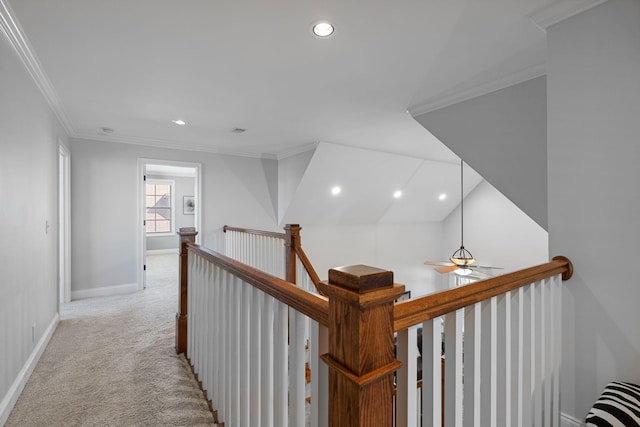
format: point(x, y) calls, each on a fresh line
point(142, 241)
point(64, 223)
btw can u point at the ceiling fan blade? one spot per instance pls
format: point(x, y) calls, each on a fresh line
point(486, 267)
point(444, 264)
point(447, 269)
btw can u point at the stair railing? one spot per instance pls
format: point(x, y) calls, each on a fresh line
point(499, 342)
point(237, 318)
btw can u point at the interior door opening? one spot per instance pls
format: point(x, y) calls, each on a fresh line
point(169, 199)
point(64, 229)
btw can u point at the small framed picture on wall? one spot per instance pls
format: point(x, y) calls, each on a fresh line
point(188, 205)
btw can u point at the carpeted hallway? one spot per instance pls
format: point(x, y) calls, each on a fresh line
point(111, 362)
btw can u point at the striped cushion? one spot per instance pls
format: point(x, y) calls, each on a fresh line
point(617, 406)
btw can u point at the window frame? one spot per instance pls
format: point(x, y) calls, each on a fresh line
point(172, 223)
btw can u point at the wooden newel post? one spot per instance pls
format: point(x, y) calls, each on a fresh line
point(291, 239)
point(361, 346)
point(187, 235)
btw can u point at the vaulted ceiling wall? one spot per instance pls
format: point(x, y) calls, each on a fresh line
point(368, 180)
point(502, 135)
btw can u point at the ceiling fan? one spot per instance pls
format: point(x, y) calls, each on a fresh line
point(462, 262)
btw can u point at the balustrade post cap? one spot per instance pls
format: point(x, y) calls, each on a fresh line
point(360, 278)
point(187, 231)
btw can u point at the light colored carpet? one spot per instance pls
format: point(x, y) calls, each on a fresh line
point(111, 362)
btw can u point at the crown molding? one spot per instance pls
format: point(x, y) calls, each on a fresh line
point(297, 150)
point(561, 10)
point(15, 35)
point(512, 79)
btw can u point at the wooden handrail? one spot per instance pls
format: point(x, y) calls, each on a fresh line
point(252, 231)
point(307, 266)
point(314, 306)
point(414, 311)
point(293, 245)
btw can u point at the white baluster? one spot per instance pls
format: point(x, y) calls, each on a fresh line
point(319, 375)
point(537, 354)
point(514, 355)
point(488, 363)
point(224, 346)
point(245, 351)
point(556, 300)
point(406, 377)
point(471, 367)
point(296, 369)
point(280, 364)
point(546, 350)
point(432, 372)
point(267, 363)
point(216, 337)
point(503, 360)
point(256, 350)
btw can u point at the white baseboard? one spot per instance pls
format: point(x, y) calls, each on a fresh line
point(12, 395)
point(569, 421)
point(162, 251)
point(105, 291)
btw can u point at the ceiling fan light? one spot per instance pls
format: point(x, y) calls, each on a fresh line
point(462, 257)
point(463, 271)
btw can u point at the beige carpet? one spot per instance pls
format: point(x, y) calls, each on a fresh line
point(112, 362)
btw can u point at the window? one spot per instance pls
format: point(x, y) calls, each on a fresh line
point(159, 207)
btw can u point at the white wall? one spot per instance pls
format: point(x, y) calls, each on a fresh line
point(503, 136)
point(401, 248)
point(235, 191)
point(593, 79)
point(184, 186)
point(290, 172)
point(28, 189)
point(496, 232)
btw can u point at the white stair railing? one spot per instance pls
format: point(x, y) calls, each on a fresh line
point(489, 351)
point(259, 249)
point(501, 359)
point(250, 350)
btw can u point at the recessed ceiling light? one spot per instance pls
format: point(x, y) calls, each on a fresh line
point(397, 194)
point(336, 190)
point(322, 29)
point(179, 122)
point(442, 196)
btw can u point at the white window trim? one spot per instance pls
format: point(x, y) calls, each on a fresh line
point(173, 206)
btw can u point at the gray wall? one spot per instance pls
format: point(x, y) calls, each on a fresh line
point(29, 136)
point(503, 136)
point(593, 78)
point(184, 186)
point(496, 232)
point(235, 191)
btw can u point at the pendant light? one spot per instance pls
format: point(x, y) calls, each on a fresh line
point(462, 257)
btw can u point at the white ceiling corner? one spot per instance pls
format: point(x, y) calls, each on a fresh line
point(561, 10)
point(16, 37)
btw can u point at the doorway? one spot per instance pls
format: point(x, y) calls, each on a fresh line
point(169, 198)
point(64, 222)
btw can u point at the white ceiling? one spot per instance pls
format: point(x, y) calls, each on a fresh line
point(134, 65)
point(368, 180)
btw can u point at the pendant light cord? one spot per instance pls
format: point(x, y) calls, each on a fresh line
point(461, 204)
